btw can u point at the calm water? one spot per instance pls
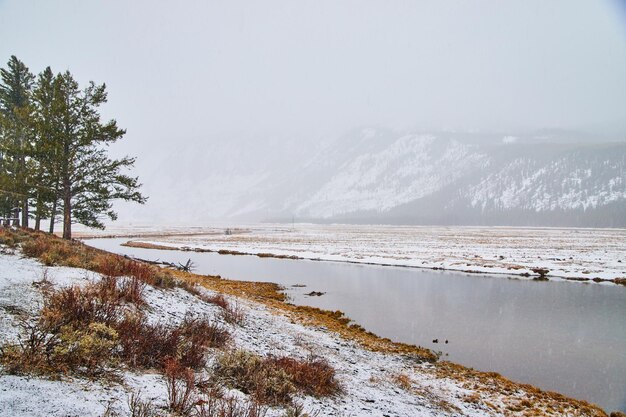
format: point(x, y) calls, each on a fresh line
point(560, 336)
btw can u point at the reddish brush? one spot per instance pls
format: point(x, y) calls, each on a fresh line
point(313, 377)
point(180, 387)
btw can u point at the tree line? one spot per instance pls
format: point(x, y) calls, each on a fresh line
point(53, 152)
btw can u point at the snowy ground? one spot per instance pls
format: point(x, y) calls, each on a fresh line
point(566, 253)
point(370, 379)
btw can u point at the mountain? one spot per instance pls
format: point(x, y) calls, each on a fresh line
point(546, 178)
point(543, 178)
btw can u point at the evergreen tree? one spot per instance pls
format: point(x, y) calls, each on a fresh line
point(89, 179)
point(46, 149)
point(53, 150)
point(15, 91)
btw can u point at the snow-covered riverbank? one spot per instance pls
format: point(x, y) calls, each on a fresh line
point(374, 383)
point(581, 254)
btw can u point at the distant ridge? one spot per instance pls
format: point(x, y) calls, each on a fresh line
point(374, 175)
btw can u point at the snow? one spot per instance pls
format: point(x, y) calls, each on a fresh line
point(19, 295)
point(367, 377)
point(412, 167)
point(559, 184)
point(567, 253)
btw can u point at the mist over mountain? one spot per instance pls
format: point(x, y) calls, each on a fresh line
point(376, 175)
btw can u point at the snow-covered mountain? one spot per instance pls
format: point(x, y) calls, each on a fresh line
point(384, 176)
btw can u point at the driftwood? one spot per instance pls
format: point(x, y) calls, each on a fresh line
point(187, 266)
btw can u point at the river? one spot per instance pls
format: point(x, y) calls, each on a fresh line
point(560, 336)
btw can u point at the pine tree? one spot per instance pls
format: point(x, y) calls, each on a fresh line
point(89, 179)
point(15, 90)
point(53, 150)
point(46, 149)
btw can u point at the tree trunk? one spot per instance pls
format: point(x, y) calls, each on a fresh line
point(67, 209)
point(16, 216)
point(25, 213)
point(38, 213)
point(53, 214)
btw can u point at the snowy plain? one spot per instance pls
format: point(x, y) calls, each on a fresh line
point(584, 254)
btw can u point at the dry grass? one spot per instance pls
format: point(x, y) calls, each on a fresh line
point(493, 387)
point(402, 380)
point(490, 386)
point(84, 330)
point(274, 380)
point(313, 376)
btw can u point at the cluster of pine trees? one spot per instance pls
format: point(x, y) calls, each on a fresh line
point(53, 157)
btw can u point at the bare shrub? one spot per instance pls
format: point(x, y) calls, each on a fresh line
point(117, 266)
point(217, 299)
point(248, 373)
point(27, 355)
point(75, 305)
point(197, 335)
point(210, 406)
point(87, 350)
point(313, 376)
point(84, 329)
point(233, 313)
point(273, 380)
point(146, 345)
point(180, 387)
point(139, 407)
point(131, 290)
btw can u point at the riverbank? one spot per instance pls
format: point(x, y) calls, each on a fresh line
point(377, 376)
point(586, 255)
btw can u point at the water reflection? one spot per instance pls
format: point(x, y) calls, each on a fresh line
point(560, 336)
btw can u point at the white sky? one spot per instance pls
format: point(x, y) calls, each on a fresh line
point(215, 95)
point(191, 69)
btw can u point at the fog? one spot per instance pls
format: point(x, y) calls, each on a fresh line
point(251, 90)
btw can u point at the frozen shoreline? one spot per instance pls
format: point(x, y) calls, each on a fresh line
point(572, 254)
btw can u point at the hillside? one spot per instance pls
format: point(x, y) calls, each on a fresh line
point(547, 178)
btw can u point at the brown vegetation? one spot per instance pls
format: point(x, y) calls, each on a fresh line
point(37, 350)
point(86, 329)
point(274, 380)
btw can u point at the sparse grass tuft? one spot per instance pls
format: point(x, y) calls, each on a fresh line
point(402, 380)
point(233, 313)
point(139, 407)
point(313, 376)
point(218, 300)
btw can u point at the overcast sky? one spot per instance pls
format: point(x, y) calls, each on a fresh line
point(195, 68)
